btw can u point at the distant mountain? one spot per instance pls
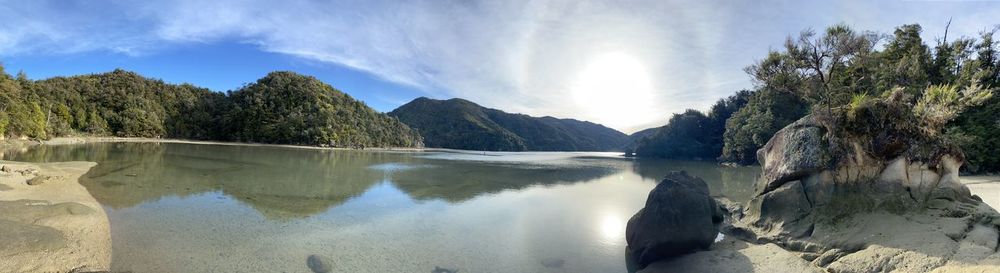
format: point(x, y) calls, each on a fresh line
point(634, 138)
point(462, 124)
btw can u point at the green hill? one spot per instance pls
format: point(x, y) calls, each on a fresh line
point(286, 107)
point(282, 108)
point(461, 124)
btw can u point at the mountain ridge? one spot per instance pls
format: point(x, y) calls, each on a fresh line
point(462, 124)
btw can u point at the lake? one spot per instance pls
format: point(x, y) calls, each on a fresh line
point(227, 208)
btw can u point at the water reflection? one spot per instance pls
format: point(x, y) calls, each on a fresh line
point(734, 183)
point(205, 208)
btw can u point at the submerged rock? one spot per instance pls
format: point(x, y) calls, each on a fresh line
point(438, 269)
point(318, 264)
point(553, 263)
point(679, 217)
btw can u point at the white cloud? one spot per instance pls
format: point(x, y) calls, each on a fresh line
point(520, 56)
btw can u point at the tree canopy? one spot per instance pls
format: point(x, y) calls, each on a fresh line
point(282, 107)
point(949, 84)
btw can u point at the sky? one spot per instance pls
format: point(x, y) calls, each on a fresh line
point(628, 65)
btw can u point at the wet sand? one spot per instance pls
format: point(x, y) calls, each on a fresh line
point(49, 222)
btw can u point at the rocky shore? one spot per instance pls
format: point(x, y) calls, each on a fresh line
point(49, 222)
point(875, 194)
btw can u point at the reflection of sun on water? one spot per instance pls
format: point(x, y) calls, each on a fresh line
point(612, 228)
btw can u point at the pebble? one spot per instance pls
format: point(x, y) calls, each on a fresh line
point(317, 264)
point(438, 269)
point(553, 263)
point(38, 180)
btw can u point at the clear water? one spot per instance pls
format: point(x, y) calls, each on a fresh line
point(216, 208)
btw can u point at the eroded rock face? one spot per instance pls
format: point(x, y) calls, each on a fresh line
point(679, 217)
point(868, 202)
point(794, 152)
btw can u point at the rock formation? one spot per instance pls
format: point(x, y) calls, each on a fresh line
point(868, 191)
point(679, 217)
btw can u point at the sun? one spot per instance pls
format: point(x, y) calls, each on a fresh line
point(614, 89)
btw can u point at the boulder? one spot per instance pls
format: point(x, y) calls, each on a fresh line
point(870, 195)
point(792, 154)
point(811, 174)
point(679, 217)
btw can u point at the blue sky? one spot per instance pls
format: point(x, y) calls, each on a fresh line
point(625, 64)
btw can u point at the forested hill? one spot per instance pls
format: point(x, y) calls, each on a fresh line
point(840, 67)
point(461, 124)
point(283, 108)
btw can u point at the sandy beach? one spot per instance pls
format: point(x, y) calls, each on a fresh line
point(55, 225)
point(49, 222)
point(986, 187)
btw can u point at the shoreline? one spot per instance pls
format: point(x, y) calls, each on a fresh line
point(17, 143)
point(88, 239)
point(85, 140)
point(49, 222)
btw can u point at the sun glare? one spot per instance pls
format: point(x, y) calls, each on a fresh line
point(612, 228)
point(615, 90)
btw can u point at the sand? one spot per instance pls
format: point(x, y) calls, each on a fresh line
point(918, 243)
point(60, 219)
point(735, 256)
point(54, 225)
point(986, 187)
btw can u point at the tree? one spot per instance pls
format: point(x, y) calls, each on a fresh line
point(37, 122)
point(692, 134)
point(818, 69)
point(904, 62)
point(766, 112)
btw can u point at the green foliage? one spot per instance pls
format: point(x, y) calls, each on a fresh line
point(843, 67)
point(37, 123)
point(684, 137)
point(766, 112)
point(940, 104)
point(818, 68)
point(282, 108)
point(858, 103)
point(95, 124)
point(461, 124)
point(289, 108)
point(692, 135)
point(4, 121)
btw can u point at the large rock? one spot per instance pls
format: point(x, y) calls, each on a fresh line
point(794, 152)
point(679, 217)
point(871, 195)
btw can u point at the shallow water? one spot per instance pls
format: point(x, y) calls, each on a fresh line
point(215, 208)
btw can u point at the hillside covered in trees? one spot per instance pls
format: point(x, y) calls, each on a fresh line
point(282, 108)
point(842, 67)
point(461, 124)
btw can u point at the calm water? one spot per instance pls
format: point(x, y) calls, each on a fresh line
point(211, 208)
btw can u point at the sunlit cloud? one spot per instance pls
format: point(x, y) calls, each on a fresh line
point(518, 56)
